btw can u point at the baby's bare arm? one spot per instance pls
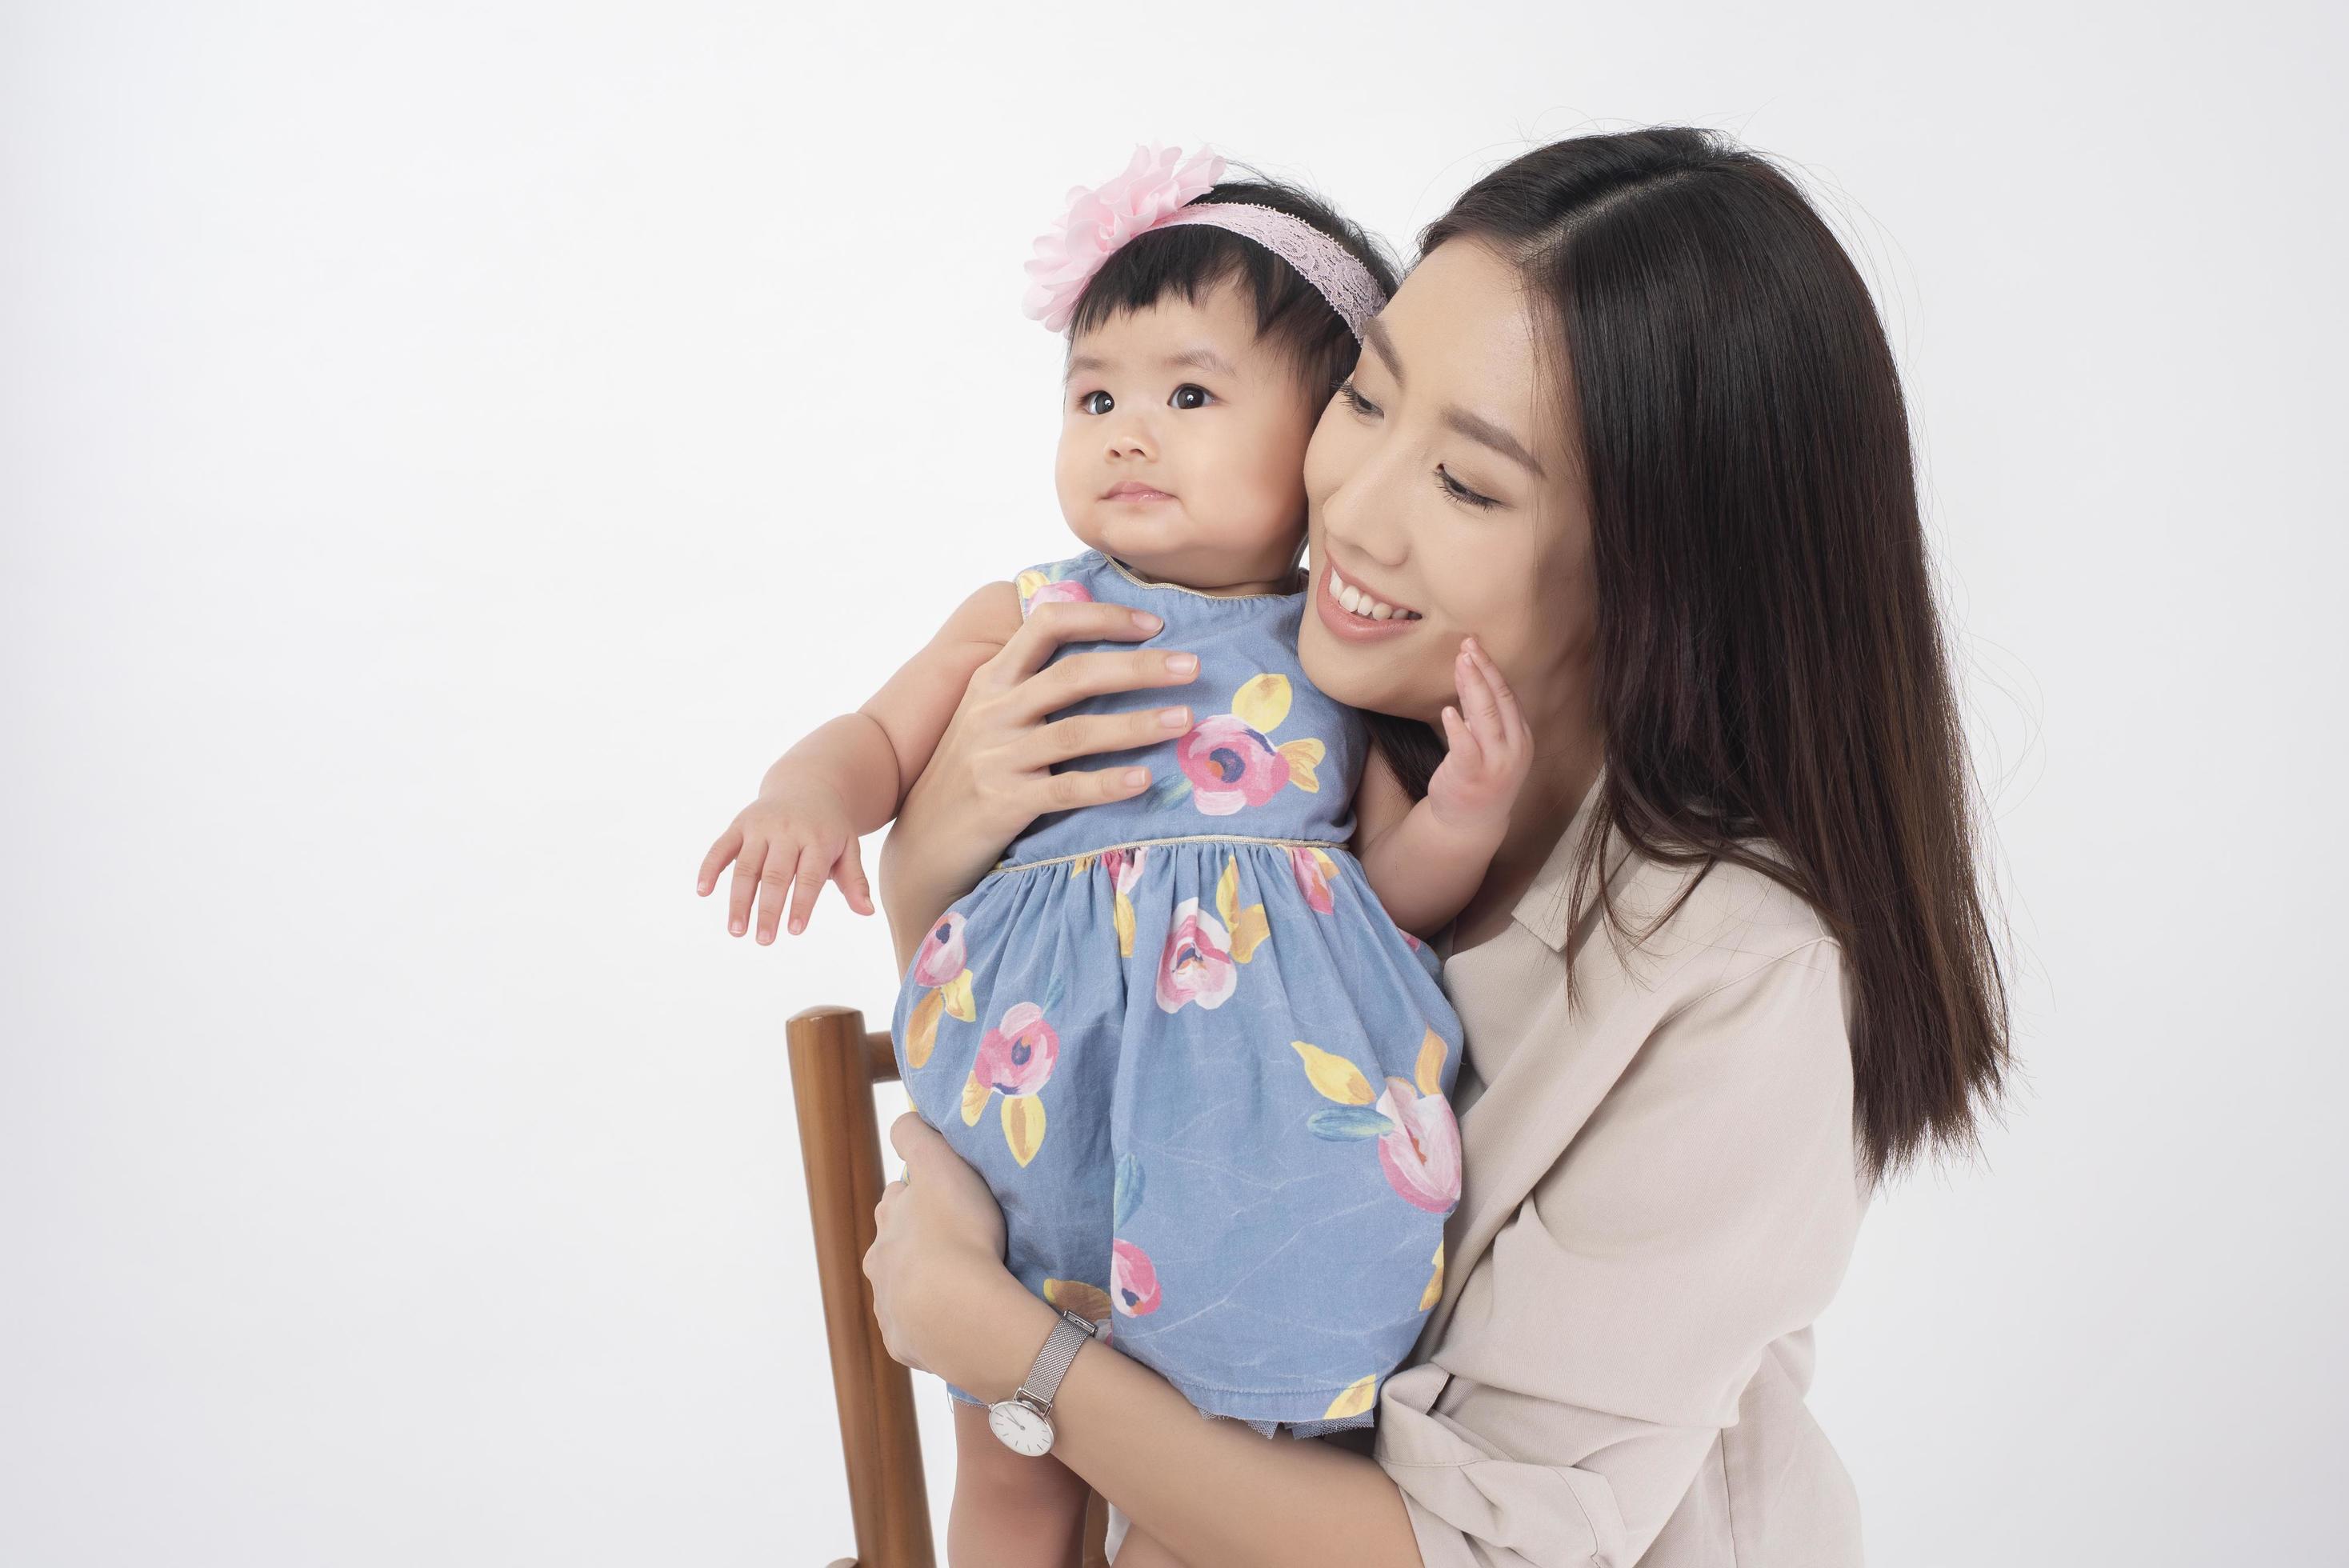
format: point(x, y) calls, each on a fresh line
point(873, 755)
point(1423, 871)
point(850, 775)
point(1425, 859)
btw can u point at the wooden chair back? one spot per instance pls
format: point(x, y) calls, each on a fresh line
point(834, 1063)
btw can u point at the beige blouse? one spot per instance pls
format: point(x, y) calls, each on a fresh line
point(1661, 1192)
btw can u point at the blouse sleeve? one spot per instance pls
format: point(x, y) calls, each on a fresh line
point(1706, 1208)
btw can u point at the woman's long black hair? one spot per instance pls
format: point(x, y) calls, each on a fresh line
point(1771, 675)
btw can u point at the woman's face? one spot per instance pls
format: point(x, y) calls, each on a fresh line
point(1442, 482)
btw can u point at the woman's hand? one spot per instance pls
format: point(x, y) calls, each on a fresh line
point(992, 774)
point(939, 1287)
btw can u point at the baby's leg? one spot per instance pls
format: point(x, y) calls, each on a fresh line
point(1010, 1510)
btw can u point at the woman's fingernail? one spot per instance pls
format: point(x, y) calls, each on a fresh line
point(1135, 777)
point(1182, 664)
point(1175, 718)
point(1145, 620)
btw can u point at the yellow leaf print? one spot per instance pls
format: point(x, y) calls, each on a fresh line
point(973, 1101)
point(1434, 1290)
point(922, 1028)
point(1023, 1125)
point(1262, 703)
point(1248, 927)
point(957, 992)
point(1336, 1077)
point(1429, 1074)
point(1124, 915)
point(1356, 1398)
point(1303, 756)
point(1088, 1301)
point(1027, 581)
point(1250, 931)
point(1081, 865)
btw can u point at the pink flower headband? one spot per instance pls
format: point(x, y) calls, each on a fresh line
point(1158, 191)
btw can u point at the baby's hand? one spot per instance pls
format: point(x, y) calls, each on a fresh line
point(1478, 780)
point(788, 843)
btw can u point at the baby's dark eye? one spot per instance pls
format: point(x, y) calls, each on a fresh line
point(1189, 395)
point(1096, 402)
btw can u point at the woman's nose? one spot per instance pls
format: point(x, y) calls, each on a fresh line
point(1369, 512)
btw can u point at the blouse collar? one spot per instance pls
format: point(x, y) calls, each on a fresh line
point(1547, 905)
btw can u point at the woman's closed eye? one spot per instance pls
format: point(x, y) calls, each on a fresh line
point(1459, 492)
point(1451, 488)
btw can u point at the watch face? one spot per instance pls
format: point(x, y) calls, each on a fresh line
point(1021, 1430)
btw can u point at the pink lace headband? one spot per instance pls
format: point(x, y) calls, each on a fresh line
point(1158, 191)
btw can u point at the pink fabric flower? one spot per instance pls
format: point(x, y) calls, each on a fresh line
point(1066, 592)
point(1422, 1155)
point(1196, 966)
point(941, 957)
point(1132, 1280)
point(1099, 220)
point(1311, 880)
point(1230, 765)
point(1017, 1055)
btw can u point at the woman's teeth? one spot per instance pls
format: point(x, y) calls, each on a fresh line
point(1360, 603)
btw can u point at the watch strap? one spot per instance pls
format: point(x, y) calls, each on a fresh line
point(1060, 1346)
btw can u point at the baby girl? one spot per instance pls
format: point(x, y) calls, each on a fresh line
point(1187, 1035)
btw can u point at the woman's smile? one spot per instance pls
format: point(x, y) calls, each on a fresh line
point(1353, 613)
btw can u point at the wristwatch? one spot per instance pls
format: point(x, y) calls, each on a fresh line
point(1024, 1421)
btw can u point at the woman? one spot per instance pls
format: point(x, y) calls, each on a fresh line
point(1632, 422)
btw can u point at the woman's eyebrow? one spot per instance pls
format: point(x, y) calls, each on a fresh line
point(1375, 333)
point(1476, 426)
point(1482, 430)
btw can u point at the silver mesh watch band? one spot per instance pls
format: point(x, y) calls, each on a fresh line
point(1060, 1347)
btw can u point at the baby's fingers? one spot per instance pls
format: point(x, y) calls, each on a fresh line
point(1504, 701)
point(750, 872)
point(729, 845)
point(849, 873)
point(807, 884)
point(1462, 739)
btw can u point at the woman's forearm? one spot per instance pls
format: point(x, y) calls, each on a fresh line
point(916, 887)
point(1208, 1491)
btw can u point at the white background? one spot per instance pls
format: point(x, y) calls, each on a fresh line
point(447, 450)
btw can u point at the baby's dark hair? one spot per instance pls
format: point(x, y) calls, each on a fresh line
point(1191, 259)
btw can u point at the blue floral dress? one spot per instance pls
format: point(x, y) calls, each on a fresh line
point(1204, 1072)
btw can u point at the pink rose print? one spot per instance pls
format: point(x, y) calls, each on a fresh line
point(1313, 868)
point(1018, 1055)
point(1133, 1282)
point(1230, 766)
point(941, 957)
point(1229, 762)
point(1196, 966)
point(1065, 593)
point(1422, 1155)
point(1125, 867)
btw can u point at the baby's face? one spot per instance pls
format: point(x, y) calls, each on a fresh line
point(1183, 443)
